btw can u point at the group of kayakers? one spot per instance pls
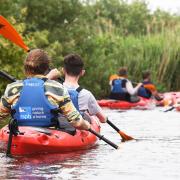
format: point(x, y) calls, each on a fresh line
point(41, 101)
point(122, 88)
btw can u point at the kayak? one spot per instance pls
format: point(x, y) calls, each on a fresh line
point(144, 103)
point(169, 99)
point(178, 104)
point(178, 108)
point(35, 140)
point(118, 104)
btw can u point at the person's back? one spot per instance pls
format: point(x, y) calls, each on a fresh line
point(82, 98)
point(148, 89)
point(122, 89)
point(36, 101)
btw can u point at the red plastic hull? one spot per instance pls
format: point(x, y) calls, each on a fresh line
point(117, 104)
point(33, 142)
point(170, 99)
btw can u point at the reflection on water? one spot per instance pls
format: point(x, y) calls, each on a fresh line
point(154, 155)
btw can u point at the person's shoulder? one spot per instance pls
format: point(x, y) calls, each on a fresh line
point(53, 83)
point(55, 88)
point(85, 91)
point(113, 76)
point(125, 80)
point(14, 88)
point(88, 94)
point(16, 83)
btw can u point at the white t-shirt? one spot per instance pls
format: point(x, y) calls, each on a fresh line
point(86, 100)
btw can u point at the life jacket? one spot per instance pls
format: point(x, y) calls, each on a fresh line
point(33, 107)
point(117, 86)
point(74, 93)
point(113, 77)
point(145, 92)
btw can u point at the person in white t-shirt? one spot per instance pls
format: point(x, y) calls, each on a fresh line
point(83, 99)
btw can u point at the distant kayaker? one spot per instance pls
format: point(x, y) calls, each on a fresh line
point(37, 101)
point(148, 89)
point(122, 88)
point(83, 99)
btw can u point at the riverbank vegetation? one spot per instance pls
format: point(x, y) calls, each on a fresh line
point(107, 34)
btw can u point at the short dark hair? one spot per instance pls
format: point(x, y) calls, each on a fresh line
point(146, 74)
point(73, 64)
point(36, 62)
point(122, 71)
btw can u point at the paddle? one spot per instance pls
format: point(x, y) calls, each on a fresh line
point(13, 130)
point(7, 76)
point(173, 107)
point(104, 139)
point(8, 31)
point(170, 109)
point(124, 136)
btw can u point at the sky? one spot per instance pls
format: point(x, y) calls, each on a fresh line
point(172, 6)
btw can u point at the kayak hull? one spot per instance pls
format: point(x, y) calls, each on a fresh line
point(118, 104)
point(169, 99)
point(32, 140)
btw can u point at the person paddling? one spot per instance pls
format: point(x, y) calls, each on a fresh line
point(37, 101)
point(83, 99)
point(148, 89)
point(122, 88)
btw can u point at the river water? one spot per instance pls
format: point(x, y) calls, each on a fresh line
point(154, 155)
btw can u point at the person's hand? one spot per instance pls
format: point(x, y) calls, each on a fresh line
point(53, 74)
point(86, 125)
point(81, 124)
point(139, 85)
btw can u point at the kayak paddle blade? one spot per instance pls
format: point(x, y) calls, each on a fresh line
point(125, 137)
point(8, 32)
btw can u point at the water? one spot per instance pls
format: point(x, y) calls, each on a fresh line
point(155, 154)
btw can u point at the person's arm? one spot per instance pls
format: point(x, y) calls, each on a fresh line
point(53, 74)
point(4, 112)
point(4, 107)
point(9, 98)
point(101, 117)
point(130, 89)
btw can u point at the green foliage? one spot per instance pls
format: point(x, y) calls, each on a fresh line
point(107, 34)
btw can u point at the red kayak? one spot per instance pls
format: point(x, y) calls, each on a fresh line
point(35, 140)
point(178, 104)
point(169, 99)
point(118, 104)
point(178, 108)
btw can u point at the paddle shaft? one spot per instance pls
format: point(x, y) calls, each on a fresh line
point(104, 139)
point(113, 126)
point(7, 76)
point(170, 109)
point(8, 152)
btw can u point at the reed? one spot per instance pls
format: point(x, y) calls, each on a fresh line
point(159, 53)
